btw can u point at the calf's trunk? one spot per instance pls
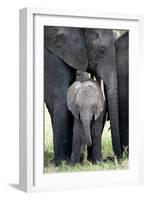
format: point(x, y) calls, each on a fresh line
point(87, 132)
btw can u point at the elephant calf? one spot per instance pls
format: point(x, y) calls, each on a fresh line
point(86, 102)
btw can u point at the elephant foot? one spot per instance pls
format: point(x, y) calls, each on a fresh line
point(109, 158)
point(95, 157)
point(94, 160)
point(72, 164)
point(75, 159)
point(113, 159)
point(58, 161)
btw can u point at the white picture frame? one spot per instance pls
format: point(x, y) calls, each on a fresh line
point(31, 174)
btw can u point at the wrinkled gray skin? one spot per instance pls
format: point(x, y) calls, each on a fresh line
point(82, 76)
point(91, 50)
point(122, 50)
point(85, 101)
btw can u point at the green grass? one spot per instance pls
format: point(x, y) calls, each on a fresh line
point(85, 166)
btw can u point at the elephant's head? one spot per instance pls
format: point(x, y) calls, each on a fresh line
point(85, 101)
point(92, 50)
point(82, 76)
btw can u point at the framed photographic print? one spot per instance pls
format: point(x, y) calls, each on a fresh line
point(79, 126)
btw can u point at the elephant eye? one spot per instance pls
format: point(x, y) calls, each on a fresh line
point(101, 51)
point(95, 35)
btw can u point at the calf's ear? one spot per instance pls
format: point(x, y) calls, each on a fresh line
point(98, 108)
point(71, 99)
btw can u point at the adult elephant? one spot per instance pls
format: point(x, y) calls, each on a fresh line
point(123, 88)
point(67, 50)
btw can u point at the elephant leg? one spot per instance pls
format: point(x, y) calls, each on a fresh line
point(57, 78)
point(62, 125)
point(62, 129)
point(122, 47)
point(95, 151)
point(77, 141)
point(123, 116)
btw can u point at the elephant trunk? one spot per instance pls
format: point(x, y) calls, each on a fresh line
point(109, 75)
point(112, 99)
point(87, 132)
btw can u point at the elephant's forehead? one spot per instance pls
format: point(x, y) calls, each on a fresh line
point(87, 91)
point(86, 98)
point(89, 84)
point(100, 37)
point(99, 32)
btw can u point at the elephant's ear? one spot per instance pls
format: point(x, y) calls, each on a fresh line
point(71, 99)
point(68, 44)
point(98, 109)
point(100, 102)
